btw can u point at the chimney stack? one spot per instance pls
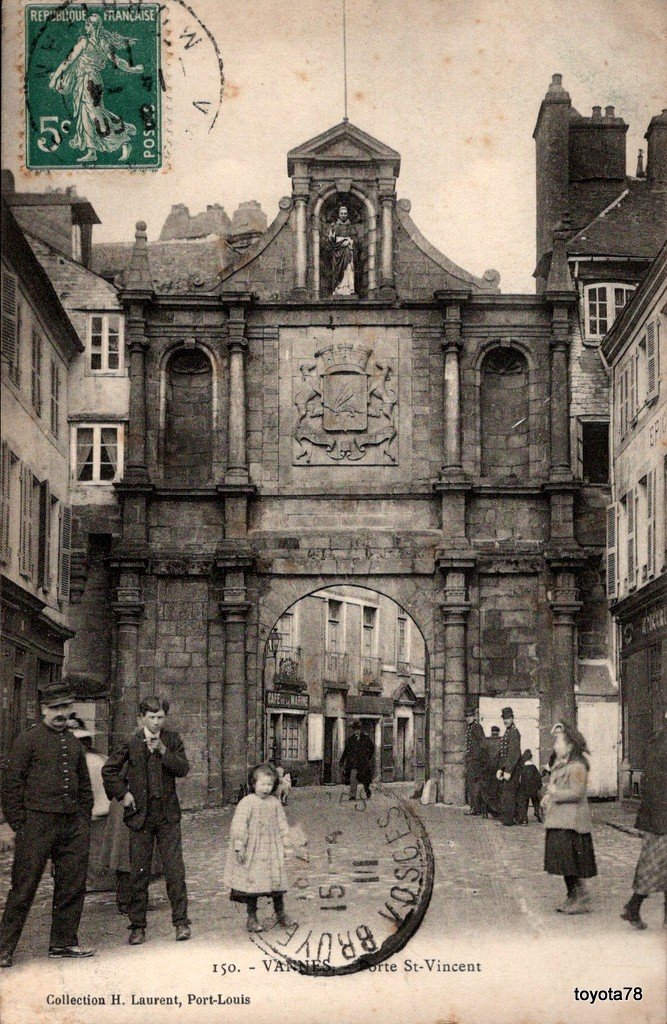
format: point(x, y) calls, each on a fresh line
point(656, 156)
point(552, 162)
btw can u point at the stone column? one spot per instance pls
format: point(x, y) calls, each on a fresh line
point(455, 609)
point(560, 396)
point(135, 454)
point(127, 610)
point(387, 201)
point(452, 344)
point(300, 197)
point(565, 605)
point(234, 610)
point(237, 461)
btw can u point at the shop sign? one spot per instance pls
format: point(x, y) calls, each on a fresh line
point(284, 699)
point(644, 626)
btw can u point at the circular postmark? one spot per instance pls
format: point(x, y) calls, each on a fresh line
point(112, 85)
point(363, 892)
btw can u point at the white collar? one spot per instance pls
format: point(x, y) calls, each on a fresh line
point(150, 735)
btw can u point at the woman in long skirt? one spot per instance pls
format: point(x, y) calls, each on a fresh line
point(568, 849)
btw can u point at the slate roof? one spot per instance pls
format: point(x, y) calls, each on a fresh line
point(175, 266)
point(635, 225)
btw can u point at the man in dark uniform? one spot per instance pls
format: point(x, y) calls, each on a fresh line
point(509, 768)
point(155, 758)
point(47, 799)
point(357, 760)
point(475, 761)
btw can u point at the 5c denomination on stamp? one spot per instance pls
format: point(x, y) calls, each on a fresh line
point(93, 85)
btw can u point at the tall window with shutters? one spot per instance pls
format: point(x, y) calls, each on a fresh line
point(650, 524)
point(55, 398)
point(26, 523)
point(612, 552)
point(5, 501)
point(36, 371)
point(44, 537)
point(652, 360)
point(65, 553)
point(630, 503)
point(11, 327)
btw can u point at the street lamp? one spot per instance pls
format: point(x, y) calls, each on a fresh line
point(274, 642)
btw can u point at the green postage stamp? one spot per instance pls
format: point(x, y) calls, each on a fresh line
point(93, 83)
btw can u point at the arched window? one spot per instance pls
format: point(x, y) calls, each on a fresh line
point(504, 414)
point(188, 441)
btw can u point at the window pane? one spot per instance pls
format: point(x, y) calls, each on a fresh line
point(96, 343)
point(108, 453)
point(84, 453)
point(114, 343)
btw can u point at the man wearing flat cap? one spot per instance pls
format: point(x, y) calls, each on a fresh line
point(357, 761)
point(47, 800)
point(509, 768)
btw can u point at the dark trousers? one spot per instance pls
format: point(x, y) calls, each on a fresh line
point(523, 798)
point(167, 834)
point(474, 784)
point(359, 776)
point(508, 792)
point(65, 838)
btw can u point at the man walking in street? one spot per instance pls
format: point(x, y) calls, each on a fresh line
point(476, 760)
point(358, 759)
point(47, 800)
point(509, 768)
point(155, 758)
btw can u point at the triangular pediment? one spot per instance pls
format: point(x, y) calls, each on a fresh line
point(343, 142)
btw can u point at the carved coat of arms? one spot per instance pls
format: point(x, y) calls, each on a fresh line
point(346, 406)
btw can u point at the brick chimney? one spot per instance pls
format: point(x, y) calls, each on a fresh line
point(597, 147)
point(552, 159)
point(656, 159)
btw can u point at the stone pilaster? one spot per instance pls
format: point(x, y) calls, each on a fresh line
point(455, 609)
point(560, 396)
point(237, 346)
point(300, 195)
point(565, 604)
point(127, 609)
point(453, 483)
point(387, 203)
point(234, 609)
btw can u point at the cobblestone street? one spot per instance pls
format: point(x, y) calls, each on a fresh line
point(491, 901)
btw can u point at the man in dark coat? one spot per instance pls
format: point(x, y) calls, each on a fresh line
point(509, 768)
point(357, 760)
point(47, 799)
point(475, 761)
point(155, 758)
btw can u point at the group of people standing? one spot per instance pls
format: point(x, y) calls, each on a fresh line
point(502, 781)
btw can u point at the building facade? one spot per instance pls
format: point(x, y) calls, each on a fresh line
point(340, 655)
point(38, 346)
point(636, 351)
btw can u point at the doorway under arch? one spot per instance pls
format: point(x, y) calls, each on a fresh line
point(341, 654)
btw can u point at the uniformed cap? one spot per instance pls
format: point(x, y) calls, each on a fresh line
point(507, 713)
point(471, 709)
point(495, 729)
point(53, 696)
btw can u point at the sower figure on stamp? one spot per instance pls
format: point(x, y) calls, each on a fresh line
point(476, 760)
point(155, 758)
point(509, 769)
point(357, 760)
point(47, 799)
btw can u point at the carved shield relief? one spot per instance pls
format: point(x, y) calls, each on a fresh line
point(345, 400)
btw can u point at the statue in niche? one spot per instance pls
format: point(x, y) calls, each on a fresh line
point(342, 249)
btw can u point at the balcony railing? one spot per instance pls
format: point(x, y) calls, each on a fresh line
point(288, 674)
point(336, 669)
point(371, 674)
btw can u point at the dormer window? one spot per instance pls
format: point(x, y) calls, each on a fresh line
point(602, 304)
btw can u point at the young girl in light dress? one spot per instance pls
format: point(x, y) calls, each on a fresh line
point(256, 857)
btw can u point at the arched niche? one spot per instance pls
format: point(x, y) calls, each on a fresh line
point(188, 424)
point(328, 254)
point(504, 413)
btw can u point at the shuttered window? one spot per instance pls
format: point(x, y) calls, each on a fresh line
point(650, 523)
point(630, 507)
point(10, 326)
point(55, 398)
point(36, 375)
point(5, 500)
point(65, 559)
point(44, 539)
point(27, 511)
point(652, 359)
point(612, 552)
